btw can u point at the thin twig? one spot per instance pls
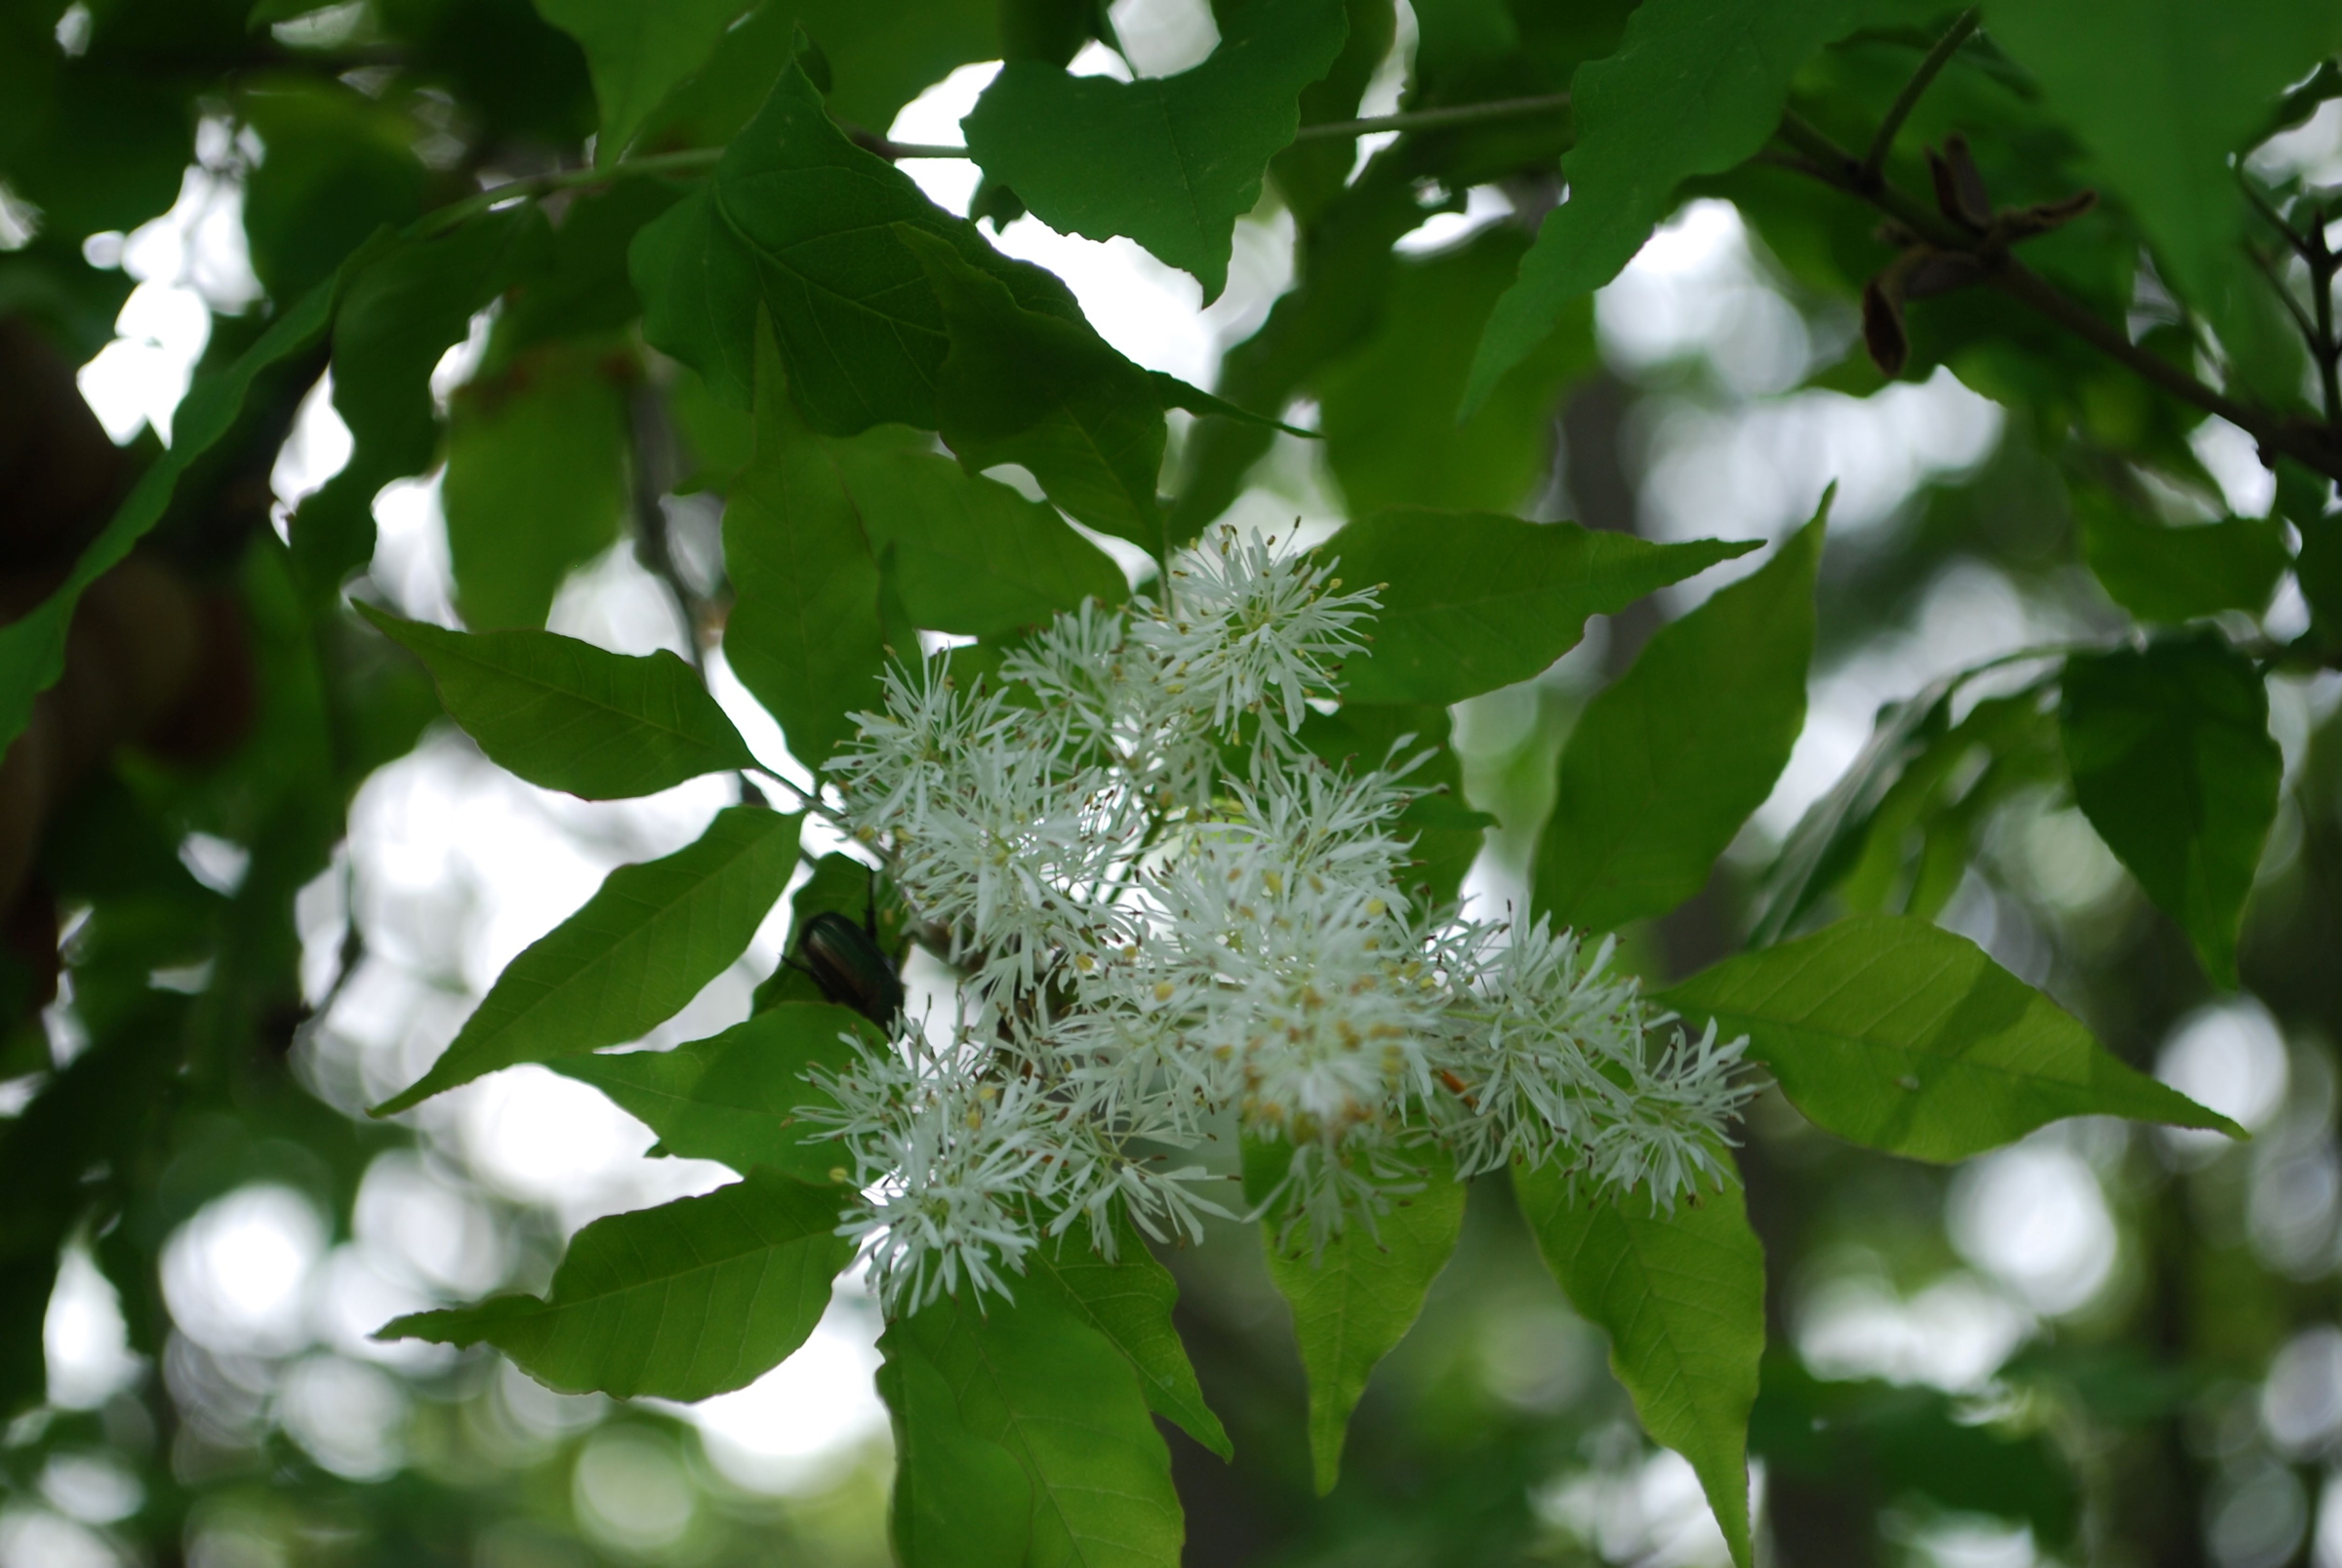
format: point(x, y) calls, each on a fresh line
point(2277, 220)
point(691, 160)
point(1505, 108)
point(1908, 99)
point(1835, 166)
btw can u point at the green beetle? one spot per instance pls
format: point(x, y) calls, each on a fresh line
point(846, 962)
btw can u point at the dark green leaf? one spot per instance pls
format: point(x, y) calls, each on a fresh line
point(1696, 86)
point(643, 945)
point(567, 716)
point(1173, 161)
point(2173, 764)
point(969, 554)
point(1471, 601)
point(735, 1095)
point(1902, 1036)
point(1129, 1302)
point(801, 222)
point(534, 487)
point(1385, 446)
point(1022, 385)
point(1032, 1380)
point(637, 53)
point(690, 1299)
point(1682, 1298)
point(1667, 763)
point(397, 316)
point(1355, 1298)
point(2163, 96)
point(805, 635)
point(2177, 574)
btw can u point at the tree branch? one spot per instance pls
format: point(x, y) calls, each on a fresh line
point(1835, 166)
point(1906, 101)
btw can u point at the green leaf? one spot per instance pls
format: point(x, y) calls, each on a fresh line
point(397, 316)
point(1899, 1035)
point(1354, 1301)
point(2173, 575)
point(32, 646)
point(969, 554)
point(564, 714)
point(2164, 94)
point(690, 1299)
point(1385, 445)
point(1667, 763)
point(2173, 764)
point(734, 1097)
point(1022, 385)
point(1471, 601)
point(800, 221)
point(960, 1502)
point(1682, 1298)
point(1129, 1302)
point(645, 945)
point(805, 634)
point(1172, 161)
point(1829, 837)
point(1696, 86)
point(535, 483)
point(637, 53)
point(1032, 1380)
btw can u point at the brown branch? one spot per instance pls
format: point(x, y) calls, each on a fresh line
point(1835, 166)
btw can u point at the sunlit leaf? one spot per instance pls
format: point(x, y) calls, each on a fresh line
point(1354, 1299)
point(1682, 1298)
point(1129, 1302)
point(1667, 763)
point(1902, 1036)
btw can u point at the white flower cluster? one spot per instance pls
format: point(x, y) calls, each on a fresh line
point(1172, 916)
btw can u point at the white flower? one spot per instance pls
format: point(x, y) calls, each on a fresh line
point(1157, 936)
point(1559, 1059)
point(1244, 626)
